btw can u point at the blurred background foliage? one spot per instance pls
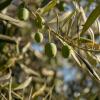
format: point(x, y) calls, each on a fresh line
point(26, 72)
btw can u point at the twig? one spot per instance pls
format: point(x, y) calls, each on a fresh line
point(72, 43)
point(3, 96)
point(13, 21)
point(10, 83)
point(4, 38)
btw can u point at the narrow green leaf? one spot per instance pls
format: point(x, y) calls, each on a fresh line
point(40, 91)
point(85, 40)
point(65, 16)
point(48, 7)
point(29, 71)
point(3, 78)
point(24, 84)
point(89, 67)
point(75, 57)
point(92, 17)
point(92, 59)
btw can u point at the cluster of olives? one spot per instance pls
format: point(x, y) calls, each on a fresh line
point(23, 14)
point(51, 48)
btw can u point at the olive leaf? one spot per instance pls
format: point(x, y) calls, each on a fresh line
point(91, 58)
point(68, 18)
point(89, 67)
point(48, 7)
point(24, 84)
point(65, 16)
point(5, 77)
point(95, 46)
point(92, 17)
point(8, 64)
point(75, 57)
point(39, 92)
point(29, 71)
point(84, 40)
point(89, 43)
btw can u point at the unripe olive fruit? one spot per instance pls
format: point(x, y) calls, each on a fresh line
point(23, 13)
point(38, 37)
point(39, 24)
point(39, 21)
point(61, 6)
point(65, 51)
point(50, 50)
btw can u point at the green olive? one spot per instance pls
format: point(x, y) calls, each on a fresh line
point(38, 37)
point(39, 21)
point(50, 49)
point(23, 13)
point(65, 51)
point(61, 6)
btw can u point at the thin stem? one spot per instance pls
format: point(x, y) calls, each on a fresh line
point(49, 35)
point(10, 84)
